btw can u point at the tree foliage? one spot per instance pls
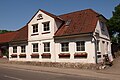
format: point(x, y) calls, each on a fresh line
point(114, 24)
point(4, 31)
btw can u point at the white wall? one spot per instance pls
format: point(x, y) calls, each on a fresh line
point(53, 27)
point(18, 52)
point(89, 48)
point(103, 37)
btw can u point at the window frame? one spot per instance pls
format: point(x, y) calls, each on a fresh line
point(35, 28)
point(46, 47)
point(80, 46)
point(98, 45)
point(46, 26)
point(23, 49)
point(102, 24)
point(63, 50)
point(14, 49)
point(35, 48)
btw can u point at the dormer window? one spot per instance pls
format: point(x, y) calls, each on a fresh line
point(46, 26)
point(39, 17)
point(68, 22)
point(35, 28)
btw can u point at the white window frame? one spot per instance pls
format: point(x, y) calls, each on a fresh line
point(61, 47)
point(23, 50)
point(46, 47)
point(36, 28)
point(35, 48)
point(80, 46)
point(43, 23)
point(14, 50)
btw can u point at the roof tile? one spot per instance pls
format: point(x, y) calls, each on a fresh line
point(81, 22)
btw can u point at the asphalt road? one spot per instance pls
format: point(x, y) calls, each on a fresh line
point(20, 74)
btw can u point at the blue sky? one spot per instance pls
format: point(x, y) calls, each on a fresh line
point(14, 14)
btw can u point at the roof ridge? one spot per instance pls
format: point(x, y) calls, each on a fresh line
point(78, 11)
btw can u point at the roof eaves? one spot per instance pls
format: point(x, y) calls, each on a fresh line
point(88, 33)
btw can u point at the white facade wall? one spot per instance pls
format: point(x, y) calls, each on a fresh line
point(89, 49)
point(104, 41)
point(55, 44)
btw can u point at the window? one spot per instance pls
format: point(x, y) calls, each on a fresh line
point(107, 48)
point(47, 47)
point(65, 47)
point(35, 47)
point(46, 26)
point(97, 45)
point(23, 50)
point(102, 26)
point(80, 46)
point(35, 28)
point(39, 17)
point(14, 49)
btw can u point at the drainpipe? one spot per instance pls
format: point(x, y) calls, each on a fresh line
point(96, 59)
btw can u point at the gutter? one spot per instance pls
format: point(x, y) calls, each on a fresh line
point(96, 59)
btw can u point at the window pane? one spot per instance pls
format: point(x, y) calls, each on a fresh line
point(15, 49)
point(97, 45)
point(80, 46)
point(35, 47)
point(46, 26)
point(23, 49)
point(47, 47)
point(64, 47)
point(35, 28)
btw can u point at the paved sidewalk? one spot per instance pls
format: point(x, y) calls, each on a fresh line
point(91, 73)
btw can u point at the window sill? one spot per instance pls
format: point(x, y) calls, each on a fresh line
point(34, 34)
point(45, 32)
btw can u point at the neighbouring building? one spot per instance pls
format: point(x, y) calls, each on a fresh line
point(80, 36)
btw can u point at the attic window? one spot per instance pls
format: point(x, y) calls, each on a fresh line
point(68, 22)
point(39, 17)
point(102, 26)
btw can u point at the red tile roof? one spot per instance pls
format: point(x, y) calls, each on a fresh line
point(79, 22)
point(22, 34)
point(83, 21)
point(7, 37)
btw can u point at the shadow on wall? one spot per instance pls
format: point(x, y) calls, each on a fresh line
point(115, 48)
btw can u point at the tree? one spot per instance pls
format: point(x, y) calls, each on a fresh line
point(4, 31)
point(114, 24)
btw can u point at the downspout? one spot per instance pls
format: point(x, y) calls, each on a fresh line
point(96, 59)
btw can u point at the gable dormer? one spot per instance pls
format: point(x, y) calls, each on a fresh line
point(43, 25)
point(101, 28)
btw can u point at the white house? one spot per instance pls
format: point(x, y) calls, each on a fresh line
point(80, 36)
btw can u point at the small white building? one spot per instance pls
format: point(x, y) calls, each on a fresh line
point(80, 36)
